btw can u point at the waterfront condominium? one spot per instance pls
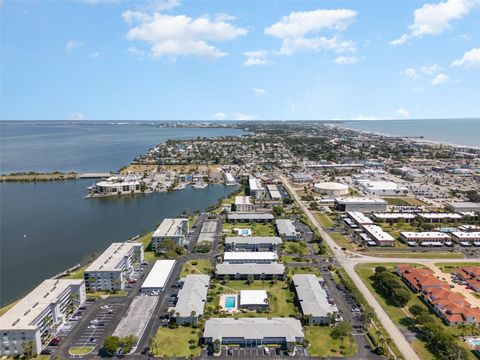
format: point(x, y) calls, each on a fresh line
point(170, 229)
point(34, 320)
point(109, 272)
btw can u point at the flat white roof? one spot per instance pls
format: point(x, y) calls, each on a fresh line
point(255, 184)
point(427, 235)
point(360, 218)
point(394, 215)
point(158, 276)
point(242, 200)
point(229, 177)
point(112, 257)
point(253, 297)
point(359, 200)
point(253, 240)
point(380, 185)
point(377, 233)
point(440, 215)
point(466, 235)
point(26, 311)
point(249, 255)
point(169, 228)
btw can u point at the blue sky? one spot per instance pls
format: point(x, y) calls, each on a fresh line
point(265, 60)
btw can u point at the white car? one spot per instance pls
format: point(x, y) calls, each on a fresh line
point(91, 327)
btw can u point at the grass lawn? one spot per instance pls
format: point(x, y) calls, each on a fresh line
point(280, 297)
point(324, 220)
point(289, 259)
point(418, 255)
point(81, 350)
point(77, 274)
point(295, 247)
point(342, 241)
point(258, 229)
point(197, 266)
point(148, 253)
point(321, 344)
point(448, 267)
point(100, 294)
point(292, 270)
point(396, 201)
point(175, 342)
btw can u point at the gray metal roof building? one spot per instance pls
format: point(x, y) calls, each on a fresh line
point(274, 240)
point(250, 216)
point(313, 298)
point(286, 229)
point(192, 296)
point(250, 269)
point(253, 331)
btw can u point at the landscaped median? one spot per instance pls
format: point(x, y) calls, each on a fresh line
point(81, 350)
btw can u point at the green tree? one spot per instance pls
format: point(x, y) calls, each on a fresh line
point(111, 344)
point(341, 331)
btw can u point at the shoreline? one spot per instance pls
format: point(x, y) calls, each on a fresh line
point(417, 140)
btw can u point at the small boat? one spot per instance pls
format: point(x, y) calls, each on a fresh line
point(200, 185)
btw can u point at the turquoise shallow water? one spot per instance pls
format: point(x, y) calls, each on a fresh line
point(465, 132)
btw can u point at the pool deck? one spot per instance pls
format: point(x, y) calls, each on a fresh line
point(223, 298)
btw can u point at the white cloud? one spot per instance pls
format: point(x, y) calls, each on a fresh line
point(180, 35)
point(471, 59)
point(95, 55)
point(430, 70)
point(345, 60)
point(76, 116)
point(411, 73)
point(297, 30)
point(434, 19)
point(72, 45)
point(220, 116)
point(439, 80)
point(140, 54)
point(258, 57)
point(259, 92)
point(161, 5)
point(403, 113)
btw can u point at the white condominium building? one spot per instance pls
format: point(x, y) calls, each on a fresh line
point(110, 270)
point(37, 317)
point(243, 204)
point(257, 190)
point(170, 229)
point(230, 179)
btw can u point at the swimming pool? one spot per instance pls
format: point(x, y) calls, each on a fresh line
point(244, 232)
point(230, 302)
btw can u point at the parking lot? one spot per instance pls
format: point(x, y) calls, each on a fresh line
point(94, 331)
point(261, 351)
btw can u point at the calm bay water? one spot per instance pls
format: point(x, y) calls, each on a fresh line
point(46, 228)
point(86, 147)
point(465, 132)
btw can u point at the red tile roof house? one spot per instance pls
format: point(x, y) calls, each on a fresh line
point(450, 306)
point(470, 274)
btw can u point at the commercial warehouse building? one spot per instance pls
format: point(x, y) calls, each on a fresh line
point(170, 229)
point(191, 299)
point(243, 257)
point(243, 204)
point(258, 271)
point(158, 277)
point(252, 243)
point(109, 272)
point(257, 190)
point(287, 231)
point(38, 317)
point(274, 193)
point(252, 332)
point(381, 188)
point(313, 299)
point(462, 206)
point(380, 237)
point(363, 204)
point(299, 177)
point(249, 217)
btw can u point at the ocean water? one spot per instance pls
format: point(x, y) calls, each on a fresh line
point(464, 132)
point(86, 147)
